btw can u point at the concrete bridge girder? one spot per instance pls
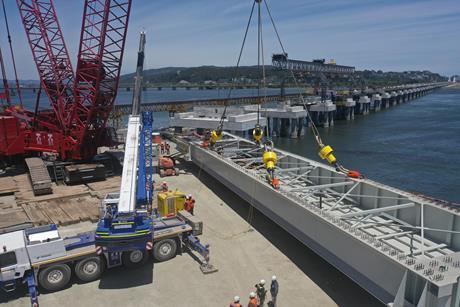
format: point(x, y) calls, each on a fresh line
point(379, 236)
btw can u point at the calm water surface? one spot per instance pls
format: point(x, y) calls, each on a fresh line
point(414, 146)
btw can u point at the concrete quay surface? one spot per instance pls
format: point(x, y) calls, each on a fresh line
point(243, 254)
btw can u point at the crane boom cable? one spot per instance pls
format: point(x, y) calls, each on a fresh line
point(315, 130)
point(260, 62)
point(274, 26)
point(258, 58)
point(313, 126)
point(263, 68)
point(5, 80)
point(221, 122)
point(18, 89)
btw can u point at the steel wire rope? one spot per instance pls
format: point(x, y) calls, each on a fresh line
point(261, 56)
point(221, 122)
point(18, 88)
point(315, 131)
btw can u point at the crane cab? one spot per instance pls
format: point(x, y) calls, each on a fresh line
point(14, 260)
point(23, 248)
point(122, 231)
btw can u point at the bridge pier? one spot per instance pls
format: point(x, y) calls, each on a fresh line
point(363, 105)
point(323, 114)
point(393, 98)
point(404, 96)
point(376, 102)
point(346, 109)
point(293, 129)
point(284, 127)
point(398, 97)
point(386, 97)
point(302, 126)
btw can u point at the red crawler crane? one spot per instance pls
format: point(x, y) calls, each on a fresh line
point(81, 103)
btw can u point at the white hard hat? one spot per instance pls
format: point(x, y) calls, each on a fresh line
point(236, 299)
point(252, 295)
point(262, 281)
point(189, 196)
point(164, 182)
point(273, 277)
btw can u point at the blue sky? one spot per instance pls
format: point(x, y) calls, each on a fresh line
point(394, 35)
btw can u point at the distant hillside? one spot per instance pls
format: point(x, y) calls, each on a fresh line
point(199, 74)
point(250, 75)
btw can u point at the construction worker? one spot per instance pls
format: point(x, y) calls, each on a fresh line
point(108, 214)
point(167, 148)
point(162, 148)
point(274, 287)
point(189, 205)
point(164, 187)
point(206, 139)
point(236, 302)
point(261, 292)
point(252, 300)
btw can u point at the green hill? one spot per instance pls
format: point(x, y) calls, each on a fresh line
point(250, 75)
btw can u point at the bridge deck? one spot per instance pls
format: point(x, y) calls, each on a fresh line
point(394, 244)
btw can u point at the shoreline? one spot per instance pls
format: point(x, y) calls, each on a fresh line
point(454, 85)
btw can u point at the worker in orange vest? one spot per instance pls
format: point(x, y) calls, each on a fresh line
point(236, 302)
point(189, 204)
point(164, 187)
point(252, 300)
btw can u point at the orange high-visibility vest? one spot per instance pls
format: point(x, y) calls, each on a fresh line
point(252, 302)
point(189, 204)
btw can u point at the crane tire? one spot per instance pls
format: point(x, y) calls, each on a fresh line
point(54, 277)
point(134, 258)
point(164, 249)
point(89, 269)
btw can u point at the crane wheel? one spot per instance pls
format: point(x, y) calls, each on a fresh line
point(89, 269)
point(54, 277)
point(134, 258)
point(164, 250)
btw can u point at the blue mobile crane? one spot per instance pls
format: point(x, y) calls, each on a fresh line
point(128, 232)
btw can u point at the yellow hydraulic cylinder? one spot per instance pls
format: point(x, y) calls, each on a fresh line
point(327, 153)
point(269, 158)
